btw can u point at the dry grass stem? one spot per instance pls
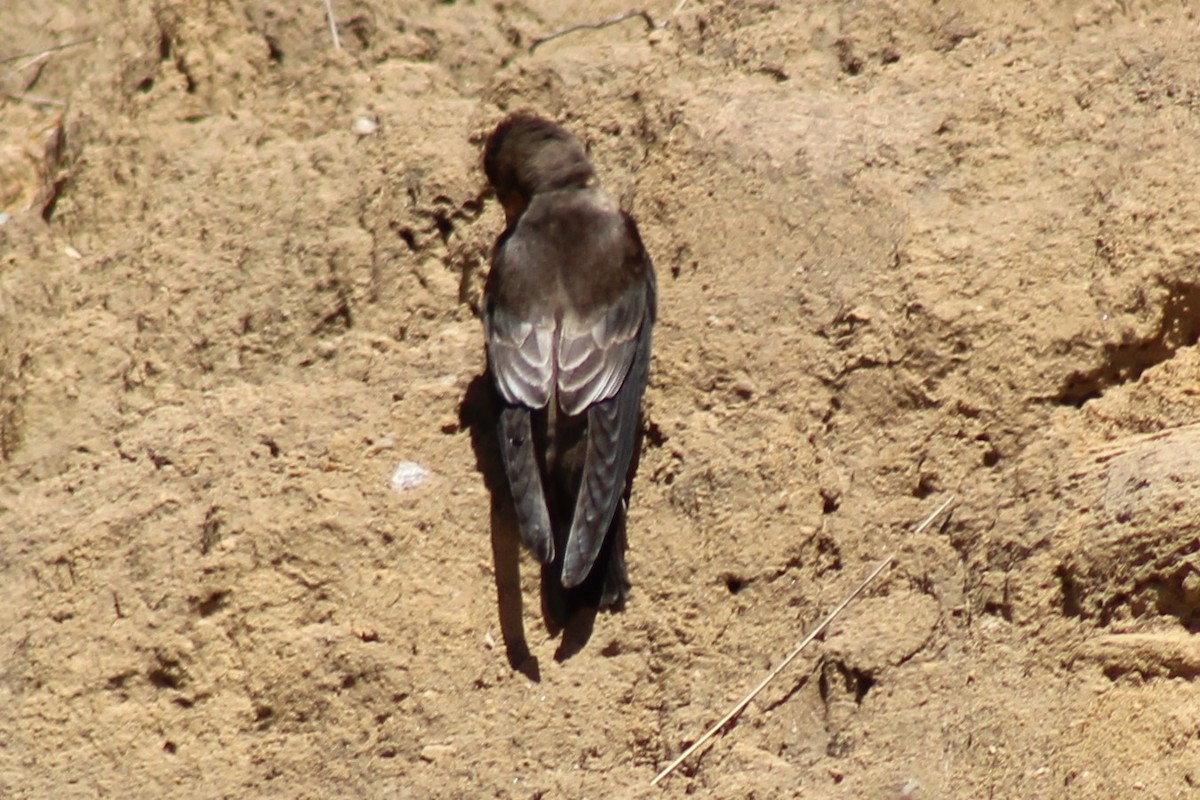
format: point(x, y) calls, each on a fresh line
point(41, 53)
point(805, 642)
point(333, 31)
point(591, 26)
point(34, 99)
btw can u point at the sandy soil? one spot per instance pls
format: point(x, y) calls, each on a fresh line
point(905, 251)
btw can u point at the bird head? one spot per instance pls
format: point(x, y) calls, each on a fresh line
point(526, 155)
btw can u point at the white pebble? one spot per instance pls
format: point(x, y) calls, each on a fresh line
point(408, 475)
point(364, 126)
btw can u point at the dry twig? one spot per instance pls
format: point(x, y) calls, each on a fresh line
point(333, 31)
point(55, 48)
point(13, 87)
point(34, 99)
point(592, 26)
point(813, 634)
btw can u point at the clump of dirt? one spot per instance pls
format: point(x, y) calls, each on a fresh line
point(904, 251)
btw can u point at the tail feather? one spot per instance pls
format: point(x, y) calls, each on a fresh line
point(616, 576)
point(606, 586)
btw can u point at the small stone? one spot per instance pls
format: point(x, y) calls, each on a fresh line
point(434, 753)
point(408, 475)
point(364, 126)
point(1191, 587)
point(381, 444)
point(744, 388)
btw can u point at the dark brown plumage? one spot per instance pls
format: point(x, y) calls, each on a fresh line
point(569, 304)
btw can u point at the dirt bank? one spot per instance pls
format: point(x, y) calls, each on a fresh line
point(905, 250)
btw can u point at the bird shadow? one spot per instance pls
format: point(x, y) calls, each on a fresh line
point(478, 413)
point(562, 612)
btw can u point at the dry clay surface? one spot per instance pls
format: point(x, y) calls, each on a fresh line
point(906, 251)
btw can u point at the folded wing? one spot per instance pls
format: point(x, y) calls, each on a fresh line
point(611, 438)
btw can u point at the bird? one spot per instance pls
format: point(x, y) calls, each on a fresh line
point(569, 304)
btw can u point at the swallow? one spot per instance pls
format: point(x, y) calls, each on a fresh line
point(569, 304)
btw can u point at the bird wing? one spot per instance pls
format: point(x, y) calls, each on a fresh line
point(521, 360)
point(595, 352)
point(594, 360)
point(612, 394)
point(525, 480)
point(521, 356)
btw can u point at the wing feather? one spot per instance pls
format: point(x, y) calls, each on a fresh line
point(611, 438)
point(595, 354)
point(521, 357)
point(524, 478)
